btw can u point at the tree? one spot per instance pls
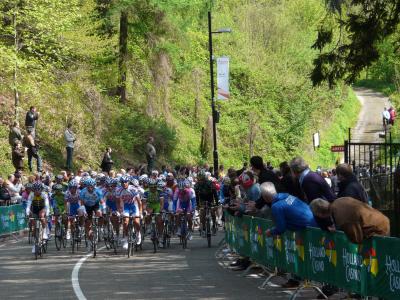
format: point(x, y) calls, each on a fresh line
point(362, 24)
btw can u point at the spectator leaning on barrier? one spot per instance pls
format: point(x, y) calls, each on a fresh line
point(288, 213)
point(358, 220)
point(348, 184)
point(311, 183)
point(5, 196)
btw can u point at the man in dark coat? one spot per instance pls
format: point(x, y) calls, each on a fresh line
point(14, 134)
point(349, 185)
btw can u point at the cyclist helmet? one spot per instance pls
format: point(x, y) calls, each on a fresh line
point(162, 177)
point(201, 174)
point(59, 178)
point(187, 183)
point(90, 182)
point(143, 178)
point(181, 184)
point(101, 179)
point(57, 187)
point(73, 184)
point(154, 173)
point(152, 182)
point(37, 186)
point(161, 184)
point(28, 186)
point(135, 182)
point(124, 179)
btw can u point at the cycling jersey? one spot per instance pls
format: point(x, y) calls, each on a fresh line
point(168, 196)
point(111, 199)
point(128, 197)
point(73, 202)
point(153, 199)
point(184, 199)
point(206, 192)
point(38, 202)
point(90, 199)
point(57, 203)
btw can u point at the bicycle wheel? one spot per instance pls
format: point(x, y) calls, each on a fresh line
point(36, 241)
point(73, 239)
point(184, 233)
point(129, 238)
point(64, 237)
point(208, 233)
point(57, 235)
point(94, 240)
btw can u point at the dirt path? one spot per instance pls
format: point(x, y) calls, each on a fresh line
point(369, 123)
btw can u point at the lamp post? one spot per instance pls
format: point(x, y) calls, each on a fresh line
point(215, 113)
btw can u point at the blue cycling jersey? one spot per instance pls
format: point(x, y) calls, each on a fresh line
point(90, 199)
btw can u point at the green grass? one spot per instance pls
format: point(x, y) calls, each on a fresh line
point(335, 133)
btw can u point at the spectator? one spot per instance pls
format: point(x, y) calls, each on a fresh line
point(250, 187)
point(263, 174)
point(392, 113)
point(5, 196)
point(150, 154)
point(335, 181)
point(14, 134)
point(288, 213)
point(107, 163)
point(244, 168)
point(289, 183)
point(70, 139)
point(326, 177)
point(311, 183)
point(385, 117)
point(349, 185)
point(33, 151)
point(30, 120)
point(14, 186)
point(358, 220)
point(18, 155)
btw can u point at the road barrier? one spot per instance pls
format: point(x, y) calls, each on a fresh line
point(369, 269)
point(12, 219)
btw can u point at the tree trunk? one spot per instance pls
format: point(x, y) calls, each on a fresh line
point(123, 55)
point(16, 94)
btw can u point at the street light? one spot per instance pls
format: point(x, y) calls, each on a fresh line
point(215, 113)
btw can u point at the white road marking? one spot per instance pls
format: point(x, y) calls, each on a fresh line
point(75, 276)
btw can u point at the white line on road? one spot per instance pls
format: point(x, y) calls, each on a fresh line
point(75, 276)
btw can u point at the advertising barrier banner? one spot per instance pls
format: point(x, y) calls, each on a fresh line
point(369, 269)
point(12, 219)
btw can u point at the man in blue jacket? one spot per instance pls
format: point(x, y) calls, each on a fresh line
point(288, 212)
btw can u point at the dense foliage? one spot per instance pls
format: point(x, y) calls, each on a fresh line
point(71, 62)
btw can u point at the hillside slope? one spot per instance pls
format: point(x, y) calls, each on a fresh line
point(68, 67)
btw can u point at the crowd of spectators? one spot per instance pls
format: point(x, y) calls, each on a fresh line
point(296, 197)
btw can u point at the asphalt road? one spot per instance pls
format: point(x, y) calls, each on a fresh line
point(174, 273)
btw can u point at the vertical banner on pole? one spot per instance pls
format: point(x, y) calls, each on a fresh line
point(223, 78)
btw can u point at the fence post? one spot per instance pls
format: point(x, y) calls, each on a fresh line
point(346, 152)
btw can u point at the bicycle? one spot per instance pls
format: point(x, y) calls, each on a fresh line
point(132, 237)
point(60, 234)
point(111, 234)
point(30, 230)
point(95, 234)
point(184, 229)
point(39, 243)
point(208, 219)
point(154, 232)
point(78, 233)
point(167, 232)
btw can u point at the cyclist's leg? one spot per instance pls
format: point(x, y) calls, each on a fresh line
point(202, 212)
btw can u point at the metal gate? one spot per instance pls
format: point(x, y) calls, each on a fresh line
point(377, 167)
